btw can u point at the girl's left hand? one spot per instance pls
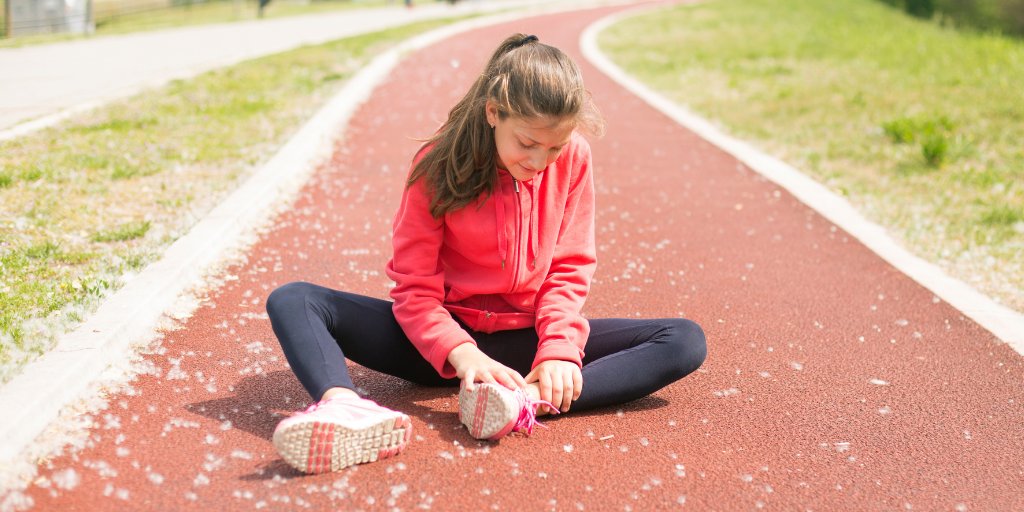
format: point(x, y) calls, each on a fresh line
point(560, 382)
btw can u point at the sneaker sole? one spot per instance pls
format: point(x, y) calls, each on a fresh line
point(488, 412)
point(322, 446)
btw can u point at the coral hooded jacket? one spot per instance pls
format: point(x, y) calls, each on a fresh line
point(522, 256)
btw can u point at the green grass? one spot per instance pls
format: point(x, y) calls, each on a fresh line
point(123, 233)
point(104, 194)
point(118, 17)
point(919, 125)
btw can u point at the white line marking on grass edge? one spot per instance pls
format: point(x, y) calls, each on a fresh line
point(131, 316)
point(1002, 321)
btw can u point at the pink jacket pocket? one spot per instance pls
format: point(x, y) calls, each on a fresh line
point(489, 321)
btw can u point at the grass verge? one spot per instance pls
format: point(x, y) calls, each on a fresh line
point(86, 204)
point(919, 126)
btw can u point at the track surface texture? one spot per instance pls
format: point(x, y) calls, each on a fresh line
point(832, 382)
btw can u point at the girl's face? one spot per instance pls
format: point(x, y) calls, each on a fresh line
point(526, 146)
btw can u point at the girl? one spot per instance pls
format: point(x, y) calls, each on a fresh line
point(493, 257)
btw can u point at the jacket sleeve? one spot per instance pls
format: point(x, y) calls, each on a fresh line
point(562, 329)
point(419, 281)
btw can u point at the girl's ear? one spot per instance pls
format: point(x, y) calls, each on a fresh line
point(491, 110)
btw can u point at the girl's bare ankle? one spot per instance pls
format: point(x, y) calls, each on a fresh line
point(533, 391)
point(336, 392)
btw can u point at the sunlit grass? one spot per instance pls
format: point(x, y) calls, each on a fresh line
point(123, 233)
point(920, 126)
point(104, 194)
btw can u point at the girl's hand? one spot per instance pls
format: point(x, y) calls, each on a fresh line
point(472, 366)
point(560, 382)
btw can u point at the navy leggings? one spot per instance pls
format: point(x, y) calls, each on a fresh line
point(318, 328)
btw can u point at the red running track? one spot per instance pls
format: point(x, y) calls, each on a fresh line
point(833, 382)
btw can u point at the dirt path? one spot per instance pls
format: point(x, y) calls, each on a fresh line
point(832, 382)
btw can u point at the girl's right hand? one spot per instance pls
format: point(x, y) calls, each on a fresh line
point(472, 366)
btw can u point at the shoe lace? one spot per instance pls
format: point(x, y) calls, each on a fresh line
point(528, 412)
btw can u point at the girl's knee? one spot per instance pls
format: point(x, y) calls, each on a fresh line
point(689, 343)
point(282, 296)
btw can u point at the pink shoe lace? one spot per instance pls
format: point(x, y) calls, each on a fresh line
point(528, 412)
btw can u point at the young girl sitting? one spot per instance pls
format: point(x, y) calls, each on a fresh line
point(493, 257)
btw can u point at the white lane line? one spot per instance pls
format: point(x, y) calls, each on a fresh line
point(1005, 323)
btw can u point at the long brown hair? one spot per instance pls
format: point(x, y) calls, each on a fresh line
point(524, 78)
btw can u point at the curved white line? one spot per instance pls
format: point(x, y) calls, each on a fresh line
point(1002, 321)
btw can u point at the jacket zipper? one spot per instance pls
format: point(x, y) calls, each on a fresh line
point(518, 229)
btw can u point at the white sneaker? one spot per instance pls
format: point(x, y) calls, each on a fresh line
point(492, 411)
point(337, 433)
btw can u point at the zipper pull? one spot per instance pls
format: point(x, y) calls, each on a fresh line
point(515, 183)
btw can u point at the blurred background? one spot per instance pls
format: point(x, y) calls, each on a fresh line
point(21, 18)
point(29, 17)
point(1006, 16)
